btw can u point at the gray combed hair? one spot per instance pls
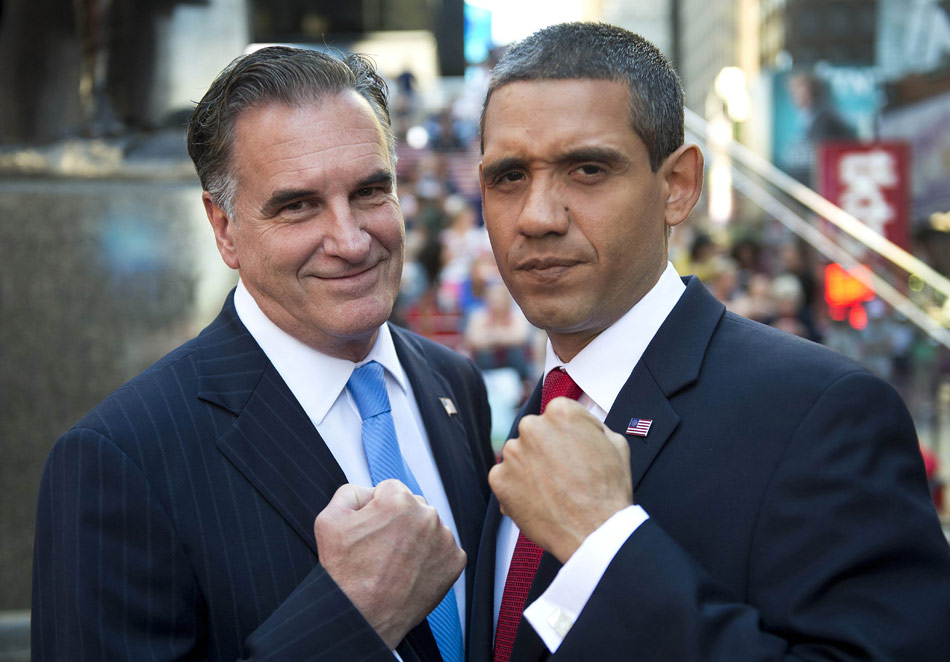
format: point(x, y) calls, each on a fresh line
point(275, 74)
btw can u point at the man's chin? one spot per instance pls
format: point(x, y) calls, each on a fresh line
point(552, 314)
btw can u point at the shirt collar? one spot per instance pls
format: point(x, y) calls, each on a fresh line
point(316, 379)
point(604, 365)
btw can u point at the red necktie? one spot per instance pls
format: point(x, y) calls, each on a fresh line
point(527, 555)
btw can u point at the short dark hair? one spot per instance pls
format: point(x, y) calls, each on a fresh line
point(276, 74)
point(602, 52)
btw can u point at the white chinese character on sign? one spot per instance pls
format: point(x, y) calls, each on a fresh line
point(863, 175)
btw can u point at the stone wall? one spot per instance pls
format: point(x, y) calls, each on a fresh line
point(98, 279)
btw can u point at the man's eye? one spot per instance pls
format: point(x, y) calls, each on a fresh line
point(366, 192)
point(590, 169)
point(298, 209)
point(507, 177)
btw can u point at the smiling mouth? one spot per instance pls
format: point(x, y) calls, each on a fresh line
point(357, 278)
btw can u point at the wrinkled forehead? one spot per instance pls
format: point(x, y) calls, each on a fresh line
point(334, 142)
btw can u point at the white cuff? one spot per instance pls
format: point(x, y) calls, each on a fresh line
point(553, 614)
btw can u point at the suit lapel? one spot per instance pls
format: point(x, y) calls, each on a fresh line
point(527, 646)
point(272, 442)
point(275, 446)
point(640, 397)
point(453, 458)
point(671, 362)
point(481, 623)
point(447, 439)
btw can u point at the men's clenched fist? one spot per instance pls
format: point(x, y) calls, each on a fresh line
point(390, 554)
point(563, 476)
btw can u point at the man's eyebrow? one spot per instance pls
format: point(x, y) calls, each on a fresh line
point(381, 176)
point(493, 170)
point(281, 197)
point(596, 154)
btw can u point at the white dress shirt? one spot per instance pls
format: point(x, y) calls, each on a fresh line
point(318, 382)
point(600, 369)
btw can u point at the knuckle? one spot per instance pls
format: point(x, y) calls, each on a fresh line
point(621, 444)
point(511, 449)
point(391, 485)
point(431, 513)
point(341, 490)
point(461, 558)
point(556, 406)
point(528, 423)
point(495, 473)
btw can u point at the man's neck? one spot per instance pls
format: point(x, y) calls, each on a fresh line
point(569, 345)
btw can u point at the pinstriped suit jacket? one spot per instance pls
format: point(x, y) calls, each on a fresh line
point(175, 521)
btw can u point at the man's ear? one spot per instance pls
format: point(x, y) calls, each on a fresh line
point(223, 228)
point(683, 172)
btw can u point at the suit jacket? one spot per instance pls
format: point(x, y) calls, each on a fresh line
point(175, 521)
point(789, 513)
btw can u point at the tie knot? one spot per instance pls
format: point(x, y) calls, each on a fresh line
point(369, 390)
point(558, 384)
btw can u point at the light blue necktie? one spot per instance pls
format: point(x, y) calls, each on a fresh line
point(385, 461)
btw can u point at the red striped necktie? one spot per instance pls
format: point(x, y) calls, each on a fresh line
point(527, 555)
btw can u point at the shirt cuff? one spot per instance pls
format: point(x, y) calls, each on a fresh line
point(553, 614)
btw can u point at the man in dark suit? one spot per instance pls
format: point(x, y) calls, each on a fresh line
point(221, 505)
point(719, 490)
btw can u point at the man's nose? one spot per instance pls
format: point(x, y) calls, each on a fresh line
point(544, 211)
point(345, 236)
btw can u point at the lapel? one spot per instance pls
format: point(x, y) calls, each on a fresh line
point(450, 446)
point(272, 441)
point(671, 362)
point(527, 646)
point(275, 446)
point(447, 437)
point(481, 624)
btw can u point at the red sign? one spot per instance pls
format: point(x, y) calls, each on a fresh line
point(870, 181)
point(846, 291)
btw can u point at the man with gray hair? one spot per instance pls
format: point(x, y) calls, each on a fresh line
point(719, 490)
point(301, 481)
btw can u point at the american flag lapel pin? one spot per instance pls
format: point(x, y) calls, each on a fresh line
point(639, 427)
point(449, 406)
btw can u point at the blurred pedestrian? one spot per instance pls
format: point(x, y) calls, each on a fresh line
point(497, 333)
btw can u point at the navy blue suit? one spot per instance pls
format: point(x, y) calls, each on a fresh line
point(789, 512)
point(175, 521)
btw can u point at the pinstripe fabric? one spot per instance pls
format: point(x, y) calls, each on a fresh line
point(174, 522)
